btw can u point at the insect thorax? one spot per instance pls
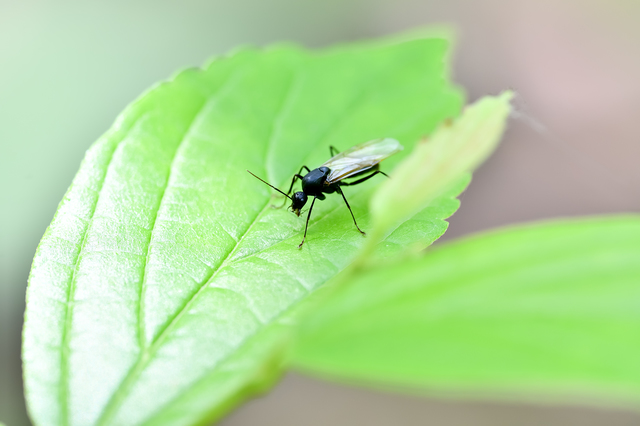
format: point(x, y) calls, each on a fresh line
point(313, 182)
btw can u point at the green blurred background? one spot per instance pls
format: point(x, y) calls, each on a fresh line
point(68, 68)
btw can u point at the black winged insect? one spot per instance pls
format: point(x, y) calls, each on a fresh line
point(359, 160)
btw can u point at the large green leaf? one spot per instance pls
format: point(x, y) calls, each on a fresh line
point(544, 310)
point(159, 292)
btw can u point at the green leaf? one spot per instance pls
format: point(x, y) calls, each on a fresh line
point(438, 161)
point(159, 293)
point(547, 310)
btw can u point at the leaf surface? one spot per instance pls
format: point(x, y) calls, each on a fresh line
point(547, 310)
point(159, 293)
point(455, 148)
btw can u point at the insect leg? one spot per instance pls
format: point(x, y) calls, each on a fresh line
point(333, 151)
point(349, 207)
point(307, 224)
point(293, 181)
point(363, 179)
point(297, 175)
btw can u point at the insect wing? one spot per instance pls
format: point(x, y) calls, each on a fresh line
point(360, 157)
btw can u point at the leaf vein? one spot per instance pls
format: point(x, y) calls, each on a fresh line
point(65, 342)
point(118, 395)
point(176, 155)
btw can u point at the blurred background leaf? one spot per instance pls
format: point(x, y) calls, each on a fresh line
point(546, 311)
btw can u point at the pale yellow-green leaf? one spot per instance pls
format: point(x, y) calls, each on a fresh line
point(436, 163)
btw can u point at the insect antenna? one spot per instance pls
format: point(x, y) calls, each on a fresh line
point(270, 185)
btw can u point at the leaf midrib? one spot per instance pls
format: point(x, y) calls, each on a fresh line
point(205, 105)
point(147, 353)
point(65, 338)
